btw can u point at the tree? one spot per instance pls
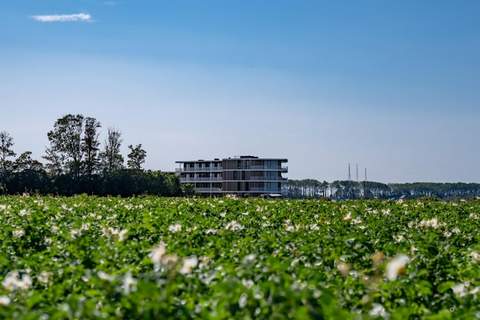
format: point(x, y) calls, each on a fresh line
point(136, 157)
point(55, 162)
point(6, 152)
point(111, 157)
point(90, 146)
point(65, 151)
point(25, 162)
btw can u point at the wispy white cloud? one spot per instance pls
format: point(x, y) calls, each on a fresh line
point(77, 17)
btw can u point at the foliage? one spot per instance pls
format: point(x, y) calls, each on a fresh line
point(65, 150)
point(136, 157)
point(6, 151)
point(150, 258)
point(347, 189)
point(111, 157)
point(90, 146)
point(75, 165)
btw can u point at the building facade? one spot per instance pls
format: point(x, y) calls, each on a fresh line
point(245, 175)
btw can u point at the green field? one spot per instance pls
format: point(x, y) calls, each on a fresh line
point(156, 258)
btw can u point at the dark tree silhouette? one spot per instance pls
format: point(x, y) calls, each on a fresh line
point(136, 157)
point(111, 157)
point(91, 146)
point(6, 152)
point(73, 165)
point(65, 151)
point(25, 162)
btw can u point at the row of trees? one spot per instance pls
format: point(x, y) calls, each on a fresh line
point(76, 162)
point(310, 188)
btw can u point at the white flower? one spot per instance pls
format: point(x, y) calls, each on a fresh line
point(18, 233)
point(188, 264)
point(115, 233)
point(432, 223)
point(129, 283)
point(44, 277)
point(3, 207)
point(460, 289)
point(74, 233)
point(248, 283)
point(357, 220)
point(242, 302)
point(378, 311)
point(347, 217)
point(175, 228)
point(234, 226)
point(248, 259)
point(211, 231)
point(13, 281)
point(288, 226)
point(475, 255)
point(396, 266)
point(105, 276)
point(122, 235)
point(398, 238)
point(157, 253)
point(4, 301)
point(160, 258)
point(23, 213)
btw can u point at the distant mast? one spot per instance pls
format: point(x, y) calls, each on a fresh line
point(349, 173)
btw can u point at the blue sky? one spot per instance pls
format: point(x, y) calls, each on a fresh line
point(392, 85)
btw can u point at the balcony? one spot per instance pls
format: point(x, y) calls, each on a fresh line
point(220, 169)
point(258, 168)
point(201, 179)
point(198, 169)
point(257, 179)
point(208, 190)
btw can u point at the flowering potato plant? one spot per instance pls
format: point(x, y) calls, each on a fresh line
point(155, 258)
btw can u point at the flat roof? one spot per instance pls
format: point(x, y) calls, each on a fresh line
point(234, 158)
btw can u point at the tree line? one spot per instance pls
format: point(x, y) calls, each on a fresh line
point(347, 189)
point(75, 161)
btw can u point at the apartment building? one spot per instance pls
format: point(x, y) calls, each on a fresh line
point(243, 175)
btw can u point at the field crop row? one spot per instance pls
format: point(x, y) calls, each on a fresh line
point(88, 258)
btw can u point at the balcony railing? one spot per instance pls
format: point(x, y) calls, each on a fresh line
point(251, 179)
point(199, 169)
point(201, 179)
point(208, 189)
point(259, 168)
point(260, 179)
